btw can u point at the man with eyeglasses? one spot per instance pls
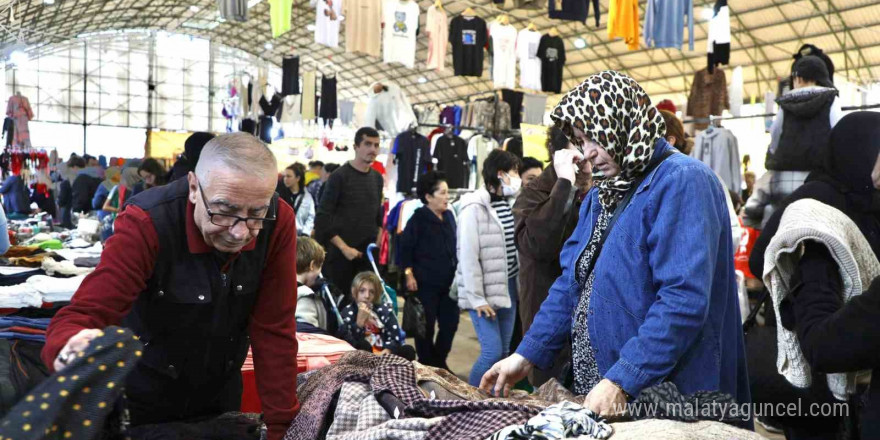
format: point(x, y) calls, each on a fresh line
point(200, 269)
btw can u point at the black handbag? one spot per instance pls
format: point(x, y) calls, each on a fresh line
point(414, 321)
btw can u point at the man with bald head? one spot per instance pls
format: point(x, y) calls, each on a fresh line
point(198, 269)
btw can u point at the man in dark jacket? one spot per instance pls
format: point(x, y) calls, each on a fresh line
point(83, 190)
point(546, 213)
point(199, 269)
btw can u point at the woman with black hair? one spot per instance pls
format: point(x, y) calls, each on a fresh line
point(152, 172)
point(487, 285)
point(427, 254)
point(292, 189)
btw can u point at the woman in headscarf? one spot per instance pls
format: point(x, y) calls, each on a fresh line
point(836, 337)
point(659, 303)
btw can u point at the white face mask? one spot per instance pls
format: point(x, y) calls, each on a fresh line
point(511, 189)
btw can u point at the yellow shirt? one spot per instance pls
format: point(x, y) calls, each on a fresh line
point(623, 21)
point(310, 176)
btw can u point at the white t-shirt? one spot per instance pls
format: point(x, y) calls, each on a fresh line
point(504, 55)
point(529, 64)
point(327, 30)
point(401, 22)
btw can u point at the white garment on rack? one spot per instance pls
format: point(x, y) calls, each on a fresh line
point(735, 91)
point(504, 55)
point(529, 64)
point(401, 19)
point(479, 148)
point(291, 110)
point(327, 30)
point(391, 109)
point(438, 37)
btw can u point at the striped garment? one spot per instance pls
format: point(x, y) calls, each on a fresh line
point(505, 214)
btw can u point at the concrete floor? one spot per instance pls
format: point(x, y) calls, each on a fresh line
point(466, 350)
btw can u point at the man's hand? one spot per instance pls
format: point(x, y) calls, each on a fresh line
point(505, 374)
point(411, 284)
point(351, 253)
point(76, 344)
point(565, 161)
point(384, 352)
point(488, 311)
point(606, 399)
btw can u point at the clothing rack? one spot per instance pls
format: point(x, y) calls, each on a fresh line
point(479, 130)
point(465, 98)
point(713, 118)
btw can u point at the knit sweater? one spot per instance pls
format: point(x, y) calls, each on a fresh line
point(811, 220)
point(351, 207)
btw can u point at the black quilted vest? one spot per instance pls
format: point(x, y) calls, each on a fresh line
point(191, 318)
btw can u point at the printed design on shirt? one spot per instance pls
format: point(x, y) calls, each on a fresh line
point(400, 22)
point(469, 37)
point(533, 50)
point(552, 54)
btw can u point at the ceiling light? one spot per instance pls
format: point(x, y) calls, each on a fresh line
point(423, 80)
point(268, 46)
point(48, 2)
point(192, 8)
point(311, 28)
point(707, 13)
point(580, 43)
point(19, 57)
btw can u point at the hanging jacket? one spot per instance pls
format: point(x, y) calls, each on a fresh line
point(718, 148)
point(801, 132)
point(709, 96)
point(391, 109)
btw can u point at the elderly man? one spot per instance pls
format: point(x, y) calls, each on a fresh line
point(195, 268)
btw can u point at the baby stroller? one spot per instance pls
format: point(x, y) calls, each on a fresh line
point(389, 295)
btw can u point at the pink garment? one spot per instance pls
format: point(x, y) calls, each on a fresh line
point(315, 351)
point(19, 109)
point(438, 38)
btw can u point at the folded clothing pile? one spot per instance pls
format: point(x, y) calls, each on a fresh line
point(26, 329)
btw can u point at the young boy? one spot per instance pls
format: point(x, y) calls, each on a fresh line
point(311, 308)
point(370, 325)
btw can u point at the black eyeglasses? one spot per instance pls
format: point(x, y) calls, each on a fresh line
point(229, 220)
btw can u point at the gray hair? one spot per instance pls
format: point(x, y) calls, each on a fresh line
point(241, 152)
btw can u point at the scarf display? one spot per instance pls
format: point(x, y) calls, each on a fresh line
point(613, 110)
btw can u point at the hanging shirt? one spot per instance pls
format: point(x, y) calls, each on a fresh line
point(412, 152)
point(452, 158)
point(718, 45)
point(280, 11)
point(479, 148)
point(290, 76)
point(401, 24)
point(233, 10)
point(504, 55)
point(327, 28)
point(572, 10)
point(664, 23)
point(623, 21)
point(438, 38)
point(527, 43)
point(551, 51)
point(363, 26)
point(308, 96)
point(467, 35)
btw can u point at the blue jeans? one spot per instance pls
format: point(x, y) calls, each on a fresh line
point(494, 335)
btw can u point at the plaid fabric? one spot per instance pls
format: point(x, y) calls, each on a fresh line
point(360, 417)
point(317, 393)
point(464, 419)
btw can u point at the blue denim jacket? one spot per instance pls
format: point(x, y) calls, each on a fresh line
point(664, 305)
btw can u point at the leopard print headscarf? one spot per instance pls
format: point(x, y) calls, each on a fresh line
point(614, 111)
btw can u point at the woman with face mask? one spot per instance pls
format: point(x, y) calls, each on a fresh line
point(488, 265)
point(648, 291)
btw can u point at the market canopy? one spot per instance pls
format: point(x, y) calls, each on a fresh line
point(765, 33)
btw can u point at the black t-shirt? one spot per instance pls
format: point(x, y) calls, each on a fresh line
point(468, 37)
point(452, 158)
point(551, 51)
point(413, 156)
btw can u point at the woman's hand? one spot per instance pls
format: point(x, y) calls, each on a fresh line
point(411, 284)
point(606, 399)
point(488, 311)
point(364, 314)
point(505, 374)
